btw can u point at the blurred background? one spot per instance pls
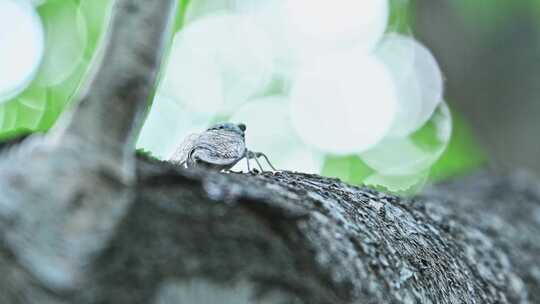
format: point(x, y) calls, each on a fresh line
point(489, 51)
point(393, 93)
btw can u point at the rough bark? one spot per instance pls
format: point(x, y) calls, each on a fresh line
point(311, 239)
point(318, 240)
point(78, 224)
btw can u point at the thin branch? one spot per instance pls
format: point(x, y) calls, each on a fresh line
point(112, 106)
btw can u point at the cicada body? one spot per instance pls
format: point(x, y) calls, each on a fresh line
point(220, 147)
point(214, 148)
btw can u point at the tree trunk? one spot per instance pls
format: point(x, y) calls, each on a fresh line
point(83, 221)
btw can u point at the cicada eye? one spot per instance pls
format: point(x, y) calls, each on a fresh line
point(242, 127)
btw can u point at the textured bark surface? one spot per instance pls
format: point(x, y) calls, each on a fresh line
point(506, 210)
point(318, 240)
point(308, 239)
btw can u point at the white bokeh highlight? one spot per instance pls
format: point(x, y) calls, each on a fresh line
point(406, 156)
point(418, 80)
point(166, 126)
point(320, 23)
point(344, 103)
point(217, 63)
point(269, 130)
point(302, 29)
point(21, 46)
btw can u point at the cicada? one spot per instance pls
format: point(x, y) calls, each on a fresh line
point(220, 147)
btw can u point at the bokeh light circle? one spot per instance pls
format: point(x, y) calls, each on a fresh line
point(412, 154)
point(344, 103)
point(418, 80)
point(302, 29)
point(339, 22)
point(166, 126)
point(218, 63)
point(269, 130)
point(21, 46)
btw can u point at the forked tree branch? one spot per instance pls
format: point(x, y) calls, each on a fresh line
point(61, 195)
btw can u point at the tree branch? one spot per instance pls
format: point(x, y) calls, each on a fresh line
point(111, 109)
point(63, 194)
point(311, 239)
point(298, 238)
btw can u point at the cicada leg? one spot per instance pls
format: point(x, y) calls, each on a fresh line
point(183, 164)
point(260, 154)
point(247, 162)
point(258, 164)
point(255, 156)
point(251, 155)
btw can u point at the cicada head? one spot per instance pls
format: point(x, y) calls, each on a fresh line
point(227, 126)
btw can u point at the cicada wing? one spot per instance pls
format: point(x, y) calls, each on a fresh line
point(181, 154)
point(221, 148)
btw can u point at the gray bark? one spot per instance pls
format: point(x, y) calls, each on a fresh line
point(318, 240)
point(297, 238)
point(82, 221)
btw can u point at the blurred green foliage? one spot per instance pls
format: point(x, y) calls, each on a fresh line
point(348, 168)
point(463, 153)
point(401, 16)
point(489, 15)
point(180, 14)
